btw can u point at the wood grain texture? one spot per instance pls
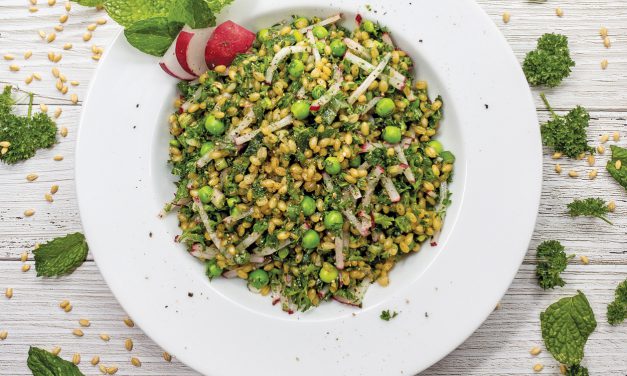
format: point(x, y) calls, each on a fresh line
point(500, 347)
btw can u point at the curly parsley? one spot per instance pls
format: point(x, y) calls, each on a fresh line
point(566, 134)
point(617, 310)
point(25, 134)
point(387, 316)
point(552, 261)
point(591, 207)
point(550, 62)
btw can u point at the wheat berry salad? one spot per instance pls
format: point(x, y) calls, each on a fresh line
point(307, 160)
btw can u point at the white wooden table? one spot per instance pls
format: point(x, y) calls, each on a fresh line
point(500, 347)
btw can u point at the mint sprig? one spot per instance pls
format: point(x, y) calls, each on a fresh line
point(43, 363)
point(61, 256)
point(566, 326)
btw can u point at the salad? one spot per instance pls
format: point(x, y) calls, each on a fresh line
point(306, 158)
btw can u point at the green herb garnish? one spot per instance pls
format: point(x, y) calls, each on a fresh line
point(590, 207)
point(550, 62)
point(566, 134)
point(552, 261)
point(577, 370)
point(153, 35)
point(387, 316)
point(619, 174)
point(43, 363)
point(61, 256)
point(25, 134)
point(566, 326)
point(617, 310)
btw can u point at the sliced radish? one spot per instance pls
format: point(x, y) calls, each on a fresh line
point(170, 64)
point(328, 21)
point(190, 53)
point(227, 41)
point(370, 79)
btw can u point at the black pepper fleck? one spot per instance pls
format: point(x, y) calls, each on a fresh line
point(190, 294)
point(486, 106)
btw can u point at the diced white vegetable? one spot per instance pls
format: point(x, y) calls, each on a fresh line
point(232, 219)
point(331, 92)
point(243, 124)
point(359, 226)
point(396, 79)
point(272, 127)
point(282, 54)
point(312, 41)
point(390, 188)
point(409, 174)
point(370, 79)
point(205, 220)
point(355, 46)
point(328, 21)
point(250, 239)
point(373, 102)
point(339, 252)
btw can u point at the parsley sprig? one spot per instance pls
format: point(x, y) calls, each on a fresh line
point(566, 134)
point(590, 207)
point(552, 261)
point(617, 310)
point(550, 62)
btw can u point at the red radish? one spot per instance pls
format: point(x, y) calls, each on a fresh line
point(228, 40)
point(190, 44)
point(170, 64)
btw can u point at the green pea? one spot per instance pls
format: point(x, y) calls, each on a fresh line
point(214, 126)
point(207, 147)
point(447, 157)
point(338, 48)
point(320, 46)
point(385, 107)
point(296, 68)
point(263, 35)
point(266, 103)
point(308, 205)
point(235, 211)
point(301, 22)
point(298, 36)
point(328, 273)
point(332, 166)
point(320, 32)
point(231, 201)
point(310, 240)
point(205, 193)
point(258, 278)
point(221, 164)
point(333, 220)
point(300, 109)
point(283, 253)
point(174, 143)
point(368, 26)
point(392, 134)
point(213, 270)
point(318, 91)
point(355, 162)
point(436, 145)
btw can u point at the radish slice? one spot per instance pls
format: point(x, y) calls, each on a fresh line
point(257, 259)
point(409, 174)
point(370, 79)
point(271, 128)
point(246, 121)
point(355, 46)
point(205, 220)
point(373, 180)
point(328, 21)
point(193, 99)
point(339, 252)
point(354, 191)
point(267, 251)
point(333, 90)
point(250, 239)
point(190, 49)
point(396, 79)
point(370, 105)
point(312, 41)
point(170, 64)
point(387, 39)
point(328, 184)
point(355, 222)
point(203, 254)
point(230, 274)
point(390, 188)
point(282, 54)
point(300, 94)
point(234, 218)
point(227, 41)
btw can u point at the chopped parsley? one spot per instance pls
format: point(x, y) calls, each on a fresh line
point(617, 310)
point(590, 207)
point(550, 62)
point(552, 261)
point(387, 316)
point(567, 134)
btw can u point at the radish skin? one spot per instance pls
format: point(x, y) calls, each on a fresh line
point(370, 79)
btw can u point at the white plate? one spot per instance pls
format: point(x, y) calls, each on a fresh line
point(442, 293)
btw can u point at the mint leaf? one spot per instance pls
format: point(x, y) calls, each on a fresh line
point(566, 326)
point(617, 310)
point(127, 12)
point(89, 3)
point(61, 256)
point(217, 5)
point(195, 13)
point(620, 175)
point(153, 35)
point(43, 363)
